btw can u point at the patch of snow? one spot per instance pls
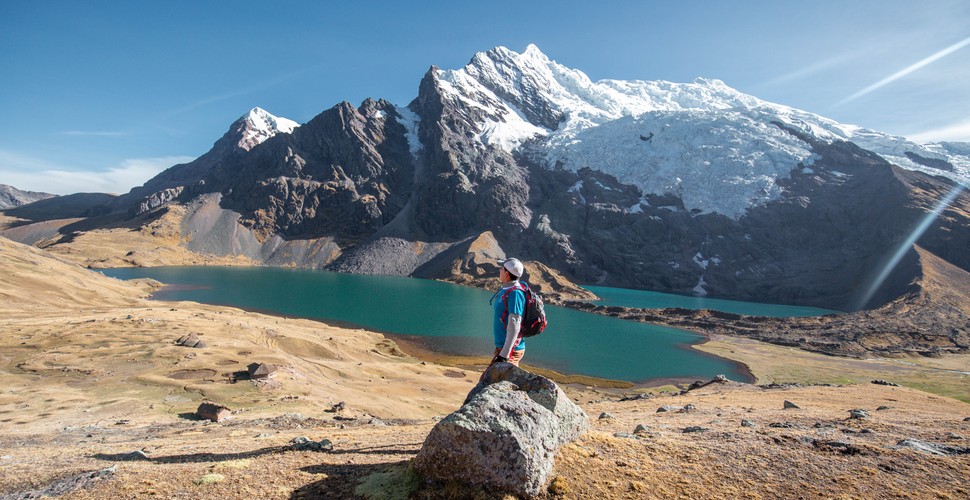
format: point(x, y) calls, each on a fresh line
point(410, 121)
point(699, 289)
point(504, 126)
point(260, 125)
point(701, 261)
point(577, 189)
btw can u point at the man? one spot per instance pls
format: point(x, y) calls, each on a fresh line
point(509, 306)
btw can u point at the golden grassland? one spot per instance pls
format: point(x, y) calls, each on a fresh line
point(91, 373)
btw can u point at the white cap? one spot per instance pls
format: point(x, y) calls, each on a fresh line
point(513, 266)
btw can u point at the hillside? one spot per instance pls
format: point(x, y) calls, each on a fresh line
point(12, 197)
point(92, 374)
point(932, 320)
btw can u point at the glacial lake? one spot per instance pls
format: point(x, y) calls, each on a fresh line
point(655, 300)
point(452, 319)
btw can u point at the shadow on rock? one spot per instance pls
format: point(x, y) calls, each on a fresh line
point(505, 436)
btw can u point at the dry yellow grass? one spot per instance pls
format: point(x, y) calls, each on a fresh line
point(90, 373)
point(948, 376)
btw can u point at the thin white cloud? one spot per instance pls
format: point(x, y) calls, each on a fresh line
point(32, 174)
point(238, 93)
point(811, 69)
point(907, 70)
point(87, 133)
point(957, 132)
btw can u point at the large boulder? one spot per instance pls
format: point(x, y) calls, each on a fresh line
point(506, 434)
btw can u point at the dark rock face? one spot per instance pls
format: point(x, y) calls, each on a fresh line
point(819, 244)
point(505, 435)
point(12, 197)
point(465, 184)
point(345, 173)
point(348, 178)
point(930, 162)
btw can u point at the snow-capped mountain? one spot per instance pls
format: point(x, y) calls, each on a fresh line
point(258, 125)
point(713, 146)
point(682, 187)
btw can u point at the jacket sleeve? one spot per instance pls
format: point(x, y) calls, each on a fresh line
point(511, 334)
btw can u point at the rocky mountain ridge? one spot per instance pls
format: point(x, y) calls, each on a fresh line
point(11, 197)
point(686, 188)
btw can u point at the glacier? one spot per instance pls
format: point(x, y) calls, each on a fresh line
point(711, 145)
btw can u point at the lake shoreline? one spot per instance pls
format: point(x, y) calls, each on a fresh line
point(425, 349)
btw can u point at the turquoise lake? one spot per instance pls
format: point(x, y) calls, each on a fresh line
point(656, 300)
point(453, 319)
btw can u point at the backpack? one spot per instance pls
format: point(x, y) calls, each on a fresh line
point(534, 316)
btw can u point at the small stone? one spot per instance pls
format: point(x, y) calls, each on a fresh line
point(304, 443)
point(606, 416)
point(952, 435)
point(782, 425)
point(867, 431)
point(134, 456)
point(858, 414)
point(123, 422)
point(640, 428)
point(883, 382)
point(189, 340)
point(668, 408)
point(791, 406)
point(263, 436)
point(637, 397)
point(747, 423)
point(689, 407)
point(932, 448)
point(720, 379)
point(882, 408)
point(695, 428)
point(337, 407)
point(624, 435)
point(966, 419)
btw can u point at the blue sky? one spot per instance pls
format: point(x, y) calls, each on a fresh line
point(100, 96)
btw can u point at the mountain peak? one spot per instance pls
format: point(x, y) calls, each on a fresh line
point(259, 125)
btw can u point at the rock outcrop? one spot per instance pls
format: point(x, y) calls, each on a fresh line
point(506, 434)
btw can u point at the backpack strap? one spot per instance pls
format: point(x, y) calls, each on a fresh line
point(524, 287)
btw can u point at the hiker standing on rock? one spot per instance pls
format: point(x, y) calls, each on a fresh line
point(509, 305)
